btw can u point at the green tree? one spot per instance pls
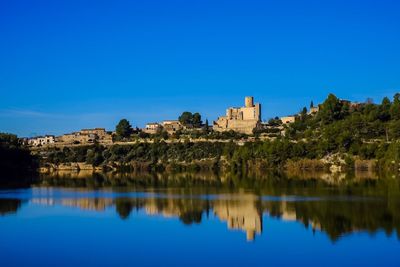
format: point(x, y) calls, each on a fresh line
point(384, 110)
point(124, 208)
point(331, 109)
point(143, 134)
point(196, 121)
point(9, 140)
point(394, 129)
point(395, 108)
point(303, 114)
point(15, 160)
point(186, 118)
point(164, 135)
point(123, 129)
point(189, 119)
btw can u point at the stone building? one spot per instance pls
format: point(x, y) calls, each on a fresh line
point(172, 126)
point(41, 140)
point(243, 119)
point(86, 136)
point(152, 127)
point(100, 132)
point(77, 138)
point(288, 119)
point(313, 110)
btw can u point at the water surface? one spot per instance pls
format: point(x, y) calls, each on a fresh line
point(198, 226)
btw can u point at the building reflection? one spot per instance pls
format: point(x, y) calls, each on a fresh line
point(240, 212)
point(243, 211)
point(243, 214)
point(94, 204)
point(188, 210)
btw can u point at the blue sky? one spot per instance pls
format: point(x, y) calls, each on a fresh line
point(66, 65)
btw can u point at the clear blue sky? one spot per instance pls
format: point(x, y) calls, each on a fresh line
point(66, 65)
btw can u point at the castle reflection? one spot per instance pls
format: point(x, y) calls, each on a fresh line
point(244, 214)
point(240, 211)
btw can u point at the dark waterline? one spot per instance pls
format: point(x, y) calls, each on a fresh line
point(53, 226)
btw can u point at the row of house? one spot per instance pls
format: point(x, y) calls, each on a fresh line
point(41, 140)
point(171, 126)
point(240, 119)
point(84, 136)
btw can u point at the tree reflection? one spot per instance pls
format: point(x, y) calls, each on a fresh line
point(191, 217)
point(124, 208)
point(338, 218)
point(9, 206)
point(334, 205)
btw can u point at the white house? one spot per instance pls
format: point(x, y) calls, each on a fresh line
point(42, 140)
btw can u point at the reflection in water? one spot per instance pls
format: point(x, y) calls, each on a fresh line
point(244, 214)
point(98, 204)
point(9, 206)
point(240, 211)
point(198, 221)
point(338, 218)
point(335, 205)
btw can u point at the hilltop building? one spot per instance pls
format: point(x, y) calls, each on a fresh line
point(86, 136)
point(42, 140)
point(76, 138)
point(288, 119)
point(243, 119)
point(152, 127)
point(100, 132)
point(172, 126)
point(313, 110)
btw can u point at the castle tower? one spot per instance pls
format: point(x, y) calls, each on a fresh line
point(241, 119)
point(249, 101)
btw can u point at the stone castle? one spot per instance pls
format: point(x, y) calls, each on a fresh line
point(244, 119)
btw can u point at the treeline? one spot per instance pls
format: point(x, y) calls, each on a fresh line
point(342, 124)
point(17, 165)
point(238, 158)
point(151, 153)
point(365, 130)
point(275, 152)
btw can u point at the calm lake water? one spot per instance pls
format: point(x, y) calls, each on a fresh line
point(295, 223)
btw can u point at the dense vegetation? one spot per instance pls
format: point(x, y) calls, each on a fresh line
point(154, 154)
point(16, 162)
point(365, 130)
point(190, 119)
